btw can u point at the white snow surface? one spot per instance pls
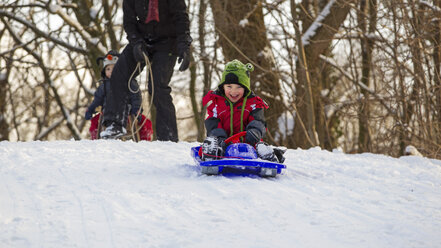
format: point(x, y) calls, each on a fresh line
point(151, 194)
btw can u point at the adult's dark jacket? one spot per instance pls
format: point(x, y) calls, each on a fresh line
point(99, 99)
point(173, 23)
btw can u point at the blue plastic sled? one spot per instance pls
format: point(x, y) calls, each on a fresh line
point(240, 159)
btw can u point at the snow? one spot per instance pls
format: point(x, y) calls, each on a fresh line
point(317, 23)
point(150, 194)
point(3, 76)
point(412, 150)
point(243, 23)
point(53, 8)
point(93, 13)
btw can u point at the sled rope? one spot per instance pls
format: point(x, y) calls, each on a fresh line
point(149, 73)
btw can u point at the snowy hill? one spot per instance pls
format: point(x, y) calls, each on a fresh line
point(150, 194)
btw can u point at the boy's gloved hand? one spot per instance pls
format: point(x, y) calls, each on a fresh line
point(222, 143)
point(134, 112)
point(88, 115)
point(253, 136)
point(138, 51)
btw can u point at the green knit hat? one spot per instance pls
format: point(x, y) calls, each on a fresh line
point(237, 73)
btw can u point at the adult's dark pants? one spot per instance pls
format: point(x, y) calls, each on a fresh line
point(162, 63)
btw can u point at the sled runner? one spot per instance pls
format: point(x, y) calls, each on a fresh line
point(239, 159)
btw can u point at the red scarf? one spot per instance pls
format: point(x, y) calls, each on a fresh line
point(153, 14)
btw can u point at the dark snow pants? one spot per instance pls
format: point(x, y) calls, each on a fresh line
point(162, 69)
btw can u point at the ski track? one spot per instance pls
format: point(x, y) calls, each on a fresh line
point(150, 194)
point(81, 209)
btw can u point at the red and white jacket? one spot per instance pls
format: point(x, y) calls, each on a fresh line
point(225, 118)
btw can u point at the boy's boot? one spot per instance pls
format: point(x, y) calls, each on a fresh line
point(265, 152)
point(279, 154)
point(211, 149)
point(113, 131)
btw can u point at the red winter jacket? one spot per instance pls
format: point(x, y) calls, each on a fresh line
point(218, 122)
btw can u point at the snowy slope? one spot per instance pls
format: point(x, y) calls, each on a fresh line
point(150, 194)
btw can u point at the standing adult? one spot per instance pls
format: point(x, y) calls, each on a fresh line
point(160, 30)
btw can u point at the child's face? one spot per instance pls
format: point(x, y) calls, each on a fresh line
point(108, 70)
point(234, 92)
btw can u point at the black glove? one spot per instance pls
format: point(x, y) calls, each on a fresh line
point(139, 49)
point(279, 155)
point(88, 115)
point(183, 48)
point(134, 112)
point(222, 144)
point(253, 136)
point(184, 59)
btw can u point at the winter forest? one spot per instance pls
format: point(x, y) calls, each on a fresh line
point(357, 75)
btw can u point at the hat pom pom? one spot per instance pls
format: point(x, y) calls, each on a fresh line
point(249, 67)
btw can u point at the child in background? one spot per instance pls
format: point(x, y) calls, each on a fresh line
point(233, 108)
point(134, 101)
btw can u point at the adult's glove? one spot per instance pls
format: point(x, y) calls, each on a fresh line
point(183, 48)
point(139, 49)
point(88, 115)
point(253, 136)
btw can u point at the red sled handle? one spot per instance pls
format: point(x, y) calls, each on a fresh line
point(235, 138)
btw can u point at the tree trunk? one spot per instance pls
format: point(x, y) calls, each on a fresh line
point(4, 126)
point(304, 81)
point(316, 40)
point(194, 102)
point(204, 59)
point(367, 22)
point(437, 62)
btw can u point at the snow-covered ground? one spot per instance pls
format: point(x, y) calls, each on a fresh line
point(150, 194)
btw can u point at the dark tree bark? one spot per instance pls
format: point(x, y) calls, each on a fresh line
point(317, 43)
point(367, 18)
point(4, 126)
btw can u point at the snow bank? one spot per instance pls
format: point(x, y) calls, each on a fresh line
point(150, 194)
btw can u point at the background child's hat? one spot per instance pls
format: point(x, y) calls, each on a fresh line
point(109, 59)
point(237, 73)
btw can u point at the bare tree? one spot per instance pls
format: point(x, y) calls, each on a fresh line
point(316, 39)
point(48, 33)
point(367, 18)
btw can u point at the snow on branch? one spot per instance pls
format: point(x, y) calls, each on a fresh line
point(317, 23)
point(56, 9)
point(244, 22)
point(47, 130)
point(431, 6)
